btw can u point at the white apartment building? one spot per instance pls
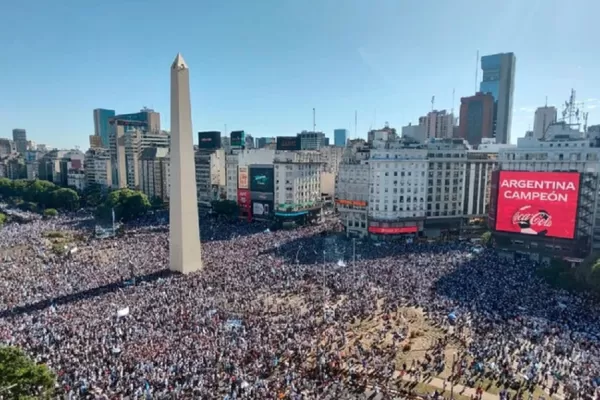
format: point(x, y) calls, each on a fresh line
point(352, 188)
point(153, 172)
point(243, 158)
point(297, 181)
point(126, 144)
point(76, 178)
point(98, 168)
point(438, 124)
point(397, 188)
point(331, 157)
point(210, 176)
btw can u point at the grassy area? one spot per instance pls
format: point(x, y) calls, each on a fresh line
point(55, 235)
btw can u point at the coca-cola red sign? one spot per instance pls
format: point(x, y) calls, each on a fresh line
point(538, 203)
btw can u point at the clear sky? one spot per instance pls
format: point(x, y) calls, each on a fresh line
point(262, 65)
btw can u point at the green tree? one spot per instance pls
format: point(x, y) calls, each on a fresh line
point(486, 238)
point(225, 207)
point(2, 219)
point(21, 378)
point(64, 198)
point(128, 204)
point(92, 196)
point(50, 212)
point(157, 203)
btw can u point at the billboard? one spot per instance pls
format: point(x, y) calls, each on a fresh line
point(243, 196)
point(237, 139)
point(289, 143)
point(243, 178)
point(261, 179)
point(538, 203)
point(392, 230)
point(492, 207)
point(209, 140)
point(259, 196)
point(262, 208)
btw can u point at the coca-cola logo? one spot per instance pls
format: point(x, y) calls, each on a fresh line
point(526, 216)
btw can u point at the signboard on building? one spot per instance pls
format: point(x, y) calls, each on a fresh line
point(243, 178)
point(209, 140)
point(538, 203)
point(244, 198)
point(262, 208)
point(288, 143)
point(237, 139)
point(261, 179)
point(392, 230)
point(260, 196)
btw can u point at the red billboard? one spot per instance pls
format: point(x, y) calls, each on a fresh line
point(538, 203)
point(392, 230)
point(244, 199)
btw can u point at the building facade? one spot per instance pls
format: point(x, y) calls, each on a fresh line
point(499, 80)
point(339, 137)
point(153, 172)
point(438, 124)
point(98, 169)
point(476, 118)
point(20, 140)
point(102, 126)
point(210, 176)
point(544, 117)
point(311, 140)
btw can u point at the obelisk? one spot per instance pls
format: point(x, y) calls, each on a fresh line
point(184, 234)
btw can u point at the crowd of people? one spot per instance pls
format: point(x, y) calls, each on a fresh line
point(272, 313)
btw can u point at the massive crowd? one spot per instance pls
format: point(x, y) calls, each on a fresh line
point(272, 313)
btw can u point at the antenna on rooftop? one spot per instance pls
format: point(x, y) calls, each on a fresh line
point(314, 120)
point(476, 70)
point(355, 124)
point(453, 92)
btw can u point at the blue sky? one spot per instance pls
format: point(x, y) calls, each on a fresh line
point(263, 65)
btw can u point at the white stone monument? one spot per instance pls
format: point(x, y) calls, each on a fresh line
point(185, 253)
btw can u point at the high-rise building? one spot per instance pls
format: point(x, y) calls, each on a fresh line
point(146, 115)
point(95, 141)
point(339, 137)
point(499, 80)
point(102, 125)
point(476, 118)
point(20, 139)
point(438, 124)
point(311, 140)
point(153, 172)
point(544, 116)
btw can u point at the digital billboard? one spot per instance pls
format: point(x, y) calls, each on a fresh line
point(538, 203)
point(289, 143)
point(391, 230)
point(261, 179)
point(244, 198)
point(237, 139)
point(243, 178)
point(209, 140)
point(262, 208)
point(259, 196)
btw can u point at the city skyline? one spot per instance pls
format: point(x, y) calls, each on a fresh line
point(265, 87)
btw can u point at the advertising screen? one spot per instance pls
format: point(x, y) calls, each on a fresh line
point(261, 179)
point(538, 203)
point(262, 208)
point(244, 198)
point(209, 140)
point(259, 196)
point(382, 230)
point(243, 178)
point(237, 139)
point(493, 200)
point(289, 143)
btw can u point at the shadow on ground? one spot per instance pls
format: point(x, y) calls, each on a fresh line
point(82, 295)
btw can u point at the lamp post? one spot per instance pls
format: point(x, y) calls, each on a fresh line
point(452, 376)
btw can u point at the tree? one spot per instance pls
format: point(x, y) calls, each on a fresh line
point(50, 212)
point(64, 198)
point(92, 196)
point(486, 238)
point(225, 207)
point(128, 204)
point(2, 219)
point(21, 378)
point(157, 203)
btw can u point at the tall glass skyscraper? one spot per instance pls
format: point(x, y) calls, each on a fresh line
point(101, 125)
point(499, 80)
point(339, 137)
